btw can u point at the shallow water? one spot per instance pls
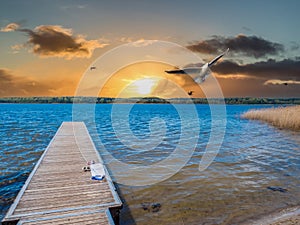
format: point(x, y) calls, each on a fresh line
point(253, 156)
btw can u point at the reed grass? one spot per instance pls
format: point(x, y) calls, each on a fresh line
point(282, 117)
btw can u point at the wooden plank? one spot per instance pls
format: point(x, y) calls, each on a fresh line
point(87, 217)
point(58, 192)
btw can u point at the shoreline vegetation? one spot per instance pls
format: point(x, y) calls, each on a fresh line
point(149, 100)
point(282, 117)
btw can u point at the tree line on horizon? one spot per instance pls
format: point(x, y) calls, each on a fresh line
point(149, 100)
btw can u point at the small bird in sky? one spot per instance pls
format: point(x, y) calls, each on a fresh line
point(190, 92)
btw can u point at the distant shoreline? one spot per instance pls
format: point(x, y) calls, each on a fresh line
point(149, 100)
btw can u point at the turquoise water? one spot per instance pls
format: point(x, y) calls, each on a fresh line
point(234, 188)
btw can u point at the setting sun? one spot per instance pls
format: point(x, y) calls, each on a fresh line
point(140, 79)
point(145, 86)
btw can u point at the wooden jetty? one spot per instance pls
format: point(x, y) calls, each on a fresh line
point(58, 191)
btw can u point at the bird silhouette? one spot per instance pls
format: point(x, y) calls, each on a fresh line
point(190, 92)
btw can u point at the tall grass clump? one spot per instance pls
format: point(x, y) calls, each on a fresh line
point(282, 117)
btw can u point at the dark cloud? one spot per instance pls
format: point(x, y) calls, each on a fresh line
point(251, 46)
point(5, 76)
point(270, 69)
point(56, 41)
point(12, 85)
point(53, 40)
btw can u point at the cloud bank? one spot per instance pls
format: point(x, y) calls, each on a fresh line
point(270, 69)
point(250, 46)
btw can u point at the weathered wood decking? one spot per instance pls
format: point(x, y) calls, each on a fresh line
point(59, 192)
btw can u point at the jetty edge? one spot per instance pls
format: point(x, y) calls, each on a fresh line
point(58, 191)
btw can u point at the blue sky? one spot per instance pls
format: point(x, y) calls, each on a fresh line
point(188, 23)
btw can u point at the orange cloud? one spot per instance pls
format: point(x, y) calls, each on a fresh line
point(233, 76)
point(23, 82)
point(13, 85)
point(274, 82)
point(10, 27)
point(142, 43)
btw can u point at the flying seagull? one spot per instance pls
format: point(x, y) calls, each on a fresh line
point(199, 74)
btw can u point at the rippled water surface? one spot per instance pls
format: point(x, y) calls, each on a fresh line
point(234, 188)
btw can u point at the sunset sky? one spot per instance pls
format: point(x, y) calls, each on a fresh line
point(47, 46)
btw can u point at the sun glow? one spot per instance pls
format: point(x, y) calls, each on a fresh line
point(143, 79)
point(145, 86)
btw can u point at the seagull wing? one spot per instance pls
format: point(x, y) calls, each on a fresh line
point(191, 70)
point(175, 71)
point(217, 58)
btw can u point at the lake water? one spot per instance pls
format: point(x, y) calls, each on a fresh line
point(233, 189)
